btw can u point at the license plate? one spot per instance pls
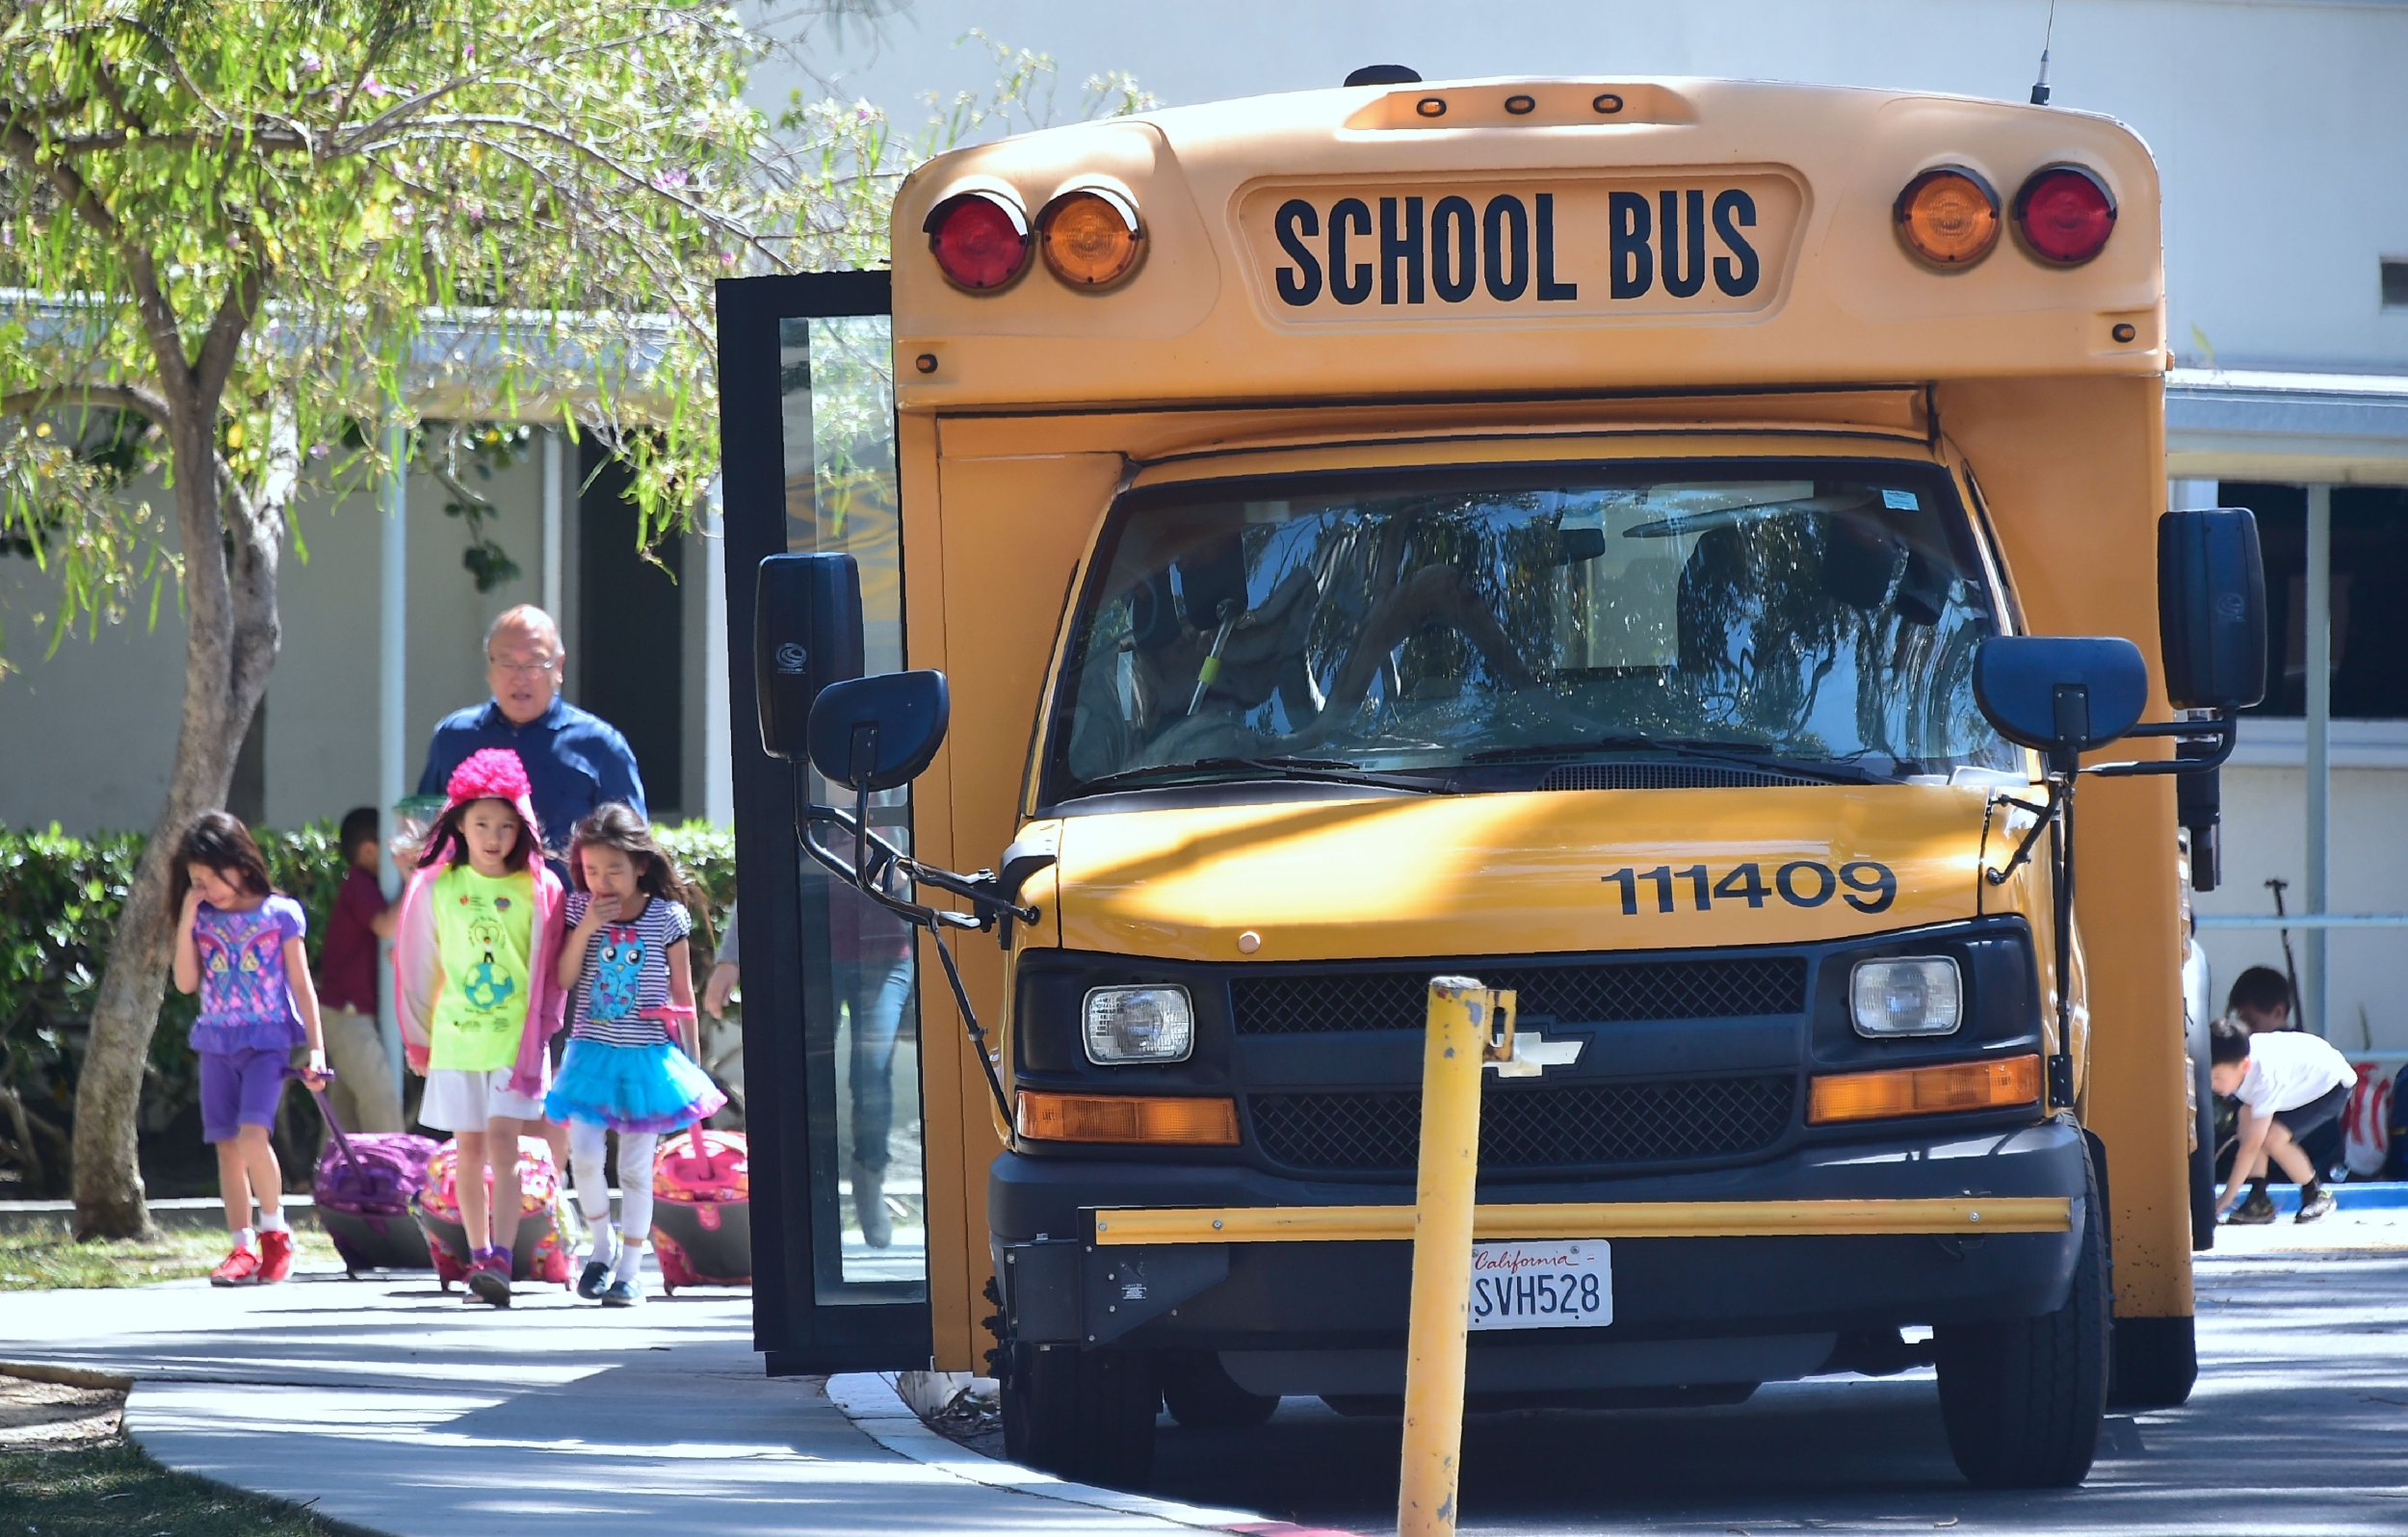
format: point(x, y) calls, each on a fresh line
point(1542, 1286)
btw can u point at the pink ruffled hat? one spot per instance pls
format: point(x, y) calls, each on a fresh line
point(494, 773)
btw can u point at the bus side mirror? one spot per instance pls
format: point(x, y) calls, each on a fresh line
point(874, 734)
point(2212, 609)
point(2060, 696)
point(806, 638)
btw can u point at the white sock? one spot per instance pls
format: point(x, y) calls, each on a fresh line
point(247, 1238)
point(630, 1267)
point(604, 1249)
point(273, 1222)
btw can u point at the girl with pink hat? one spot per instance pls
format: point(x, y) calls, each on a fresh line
point(474, 964)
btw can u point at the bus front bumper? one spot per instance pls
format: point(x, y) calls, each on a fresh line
point(1757, 1274)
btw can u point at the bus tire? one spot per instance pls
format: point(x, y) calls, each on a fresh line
point(2023, 1400)
point(1201, 1394)
point(1083, 1415)
point(2156, 1363)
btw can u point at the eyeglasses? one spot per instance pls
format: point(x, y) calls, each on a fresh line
point(522, 669)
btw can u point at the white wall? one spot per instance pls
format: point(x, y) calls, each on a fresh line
point(87, 737)
point(2281, 125)
point(2265, 836)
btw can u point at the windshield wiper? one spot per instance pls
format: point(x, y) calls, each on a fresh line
point(1742, 754)
point(1319, 770)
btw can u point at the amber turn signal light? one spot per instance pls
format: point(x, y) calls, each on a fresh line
point(1923, 1090)
point(980, 239)
point(1090, 236)
point(1949, 215)
point(1175, 1121)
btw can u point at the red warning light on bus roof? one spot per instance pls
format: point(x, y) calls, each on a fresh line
point(2066, 213)
point(980, 239)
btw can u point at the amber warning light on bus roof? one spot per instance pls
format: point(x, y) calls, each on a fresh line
point(1948, 217)
point(980, 239)
point(1090, 235)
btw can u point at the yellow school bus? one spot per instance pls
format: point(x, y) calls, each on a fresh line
point(1662, 547)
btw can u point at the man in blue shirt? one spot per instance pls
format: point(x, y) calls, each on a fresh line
point(576, 761)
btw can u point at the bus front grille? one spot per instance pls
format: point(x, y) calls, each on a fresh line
point(1393, 998)
point(1573, 1126)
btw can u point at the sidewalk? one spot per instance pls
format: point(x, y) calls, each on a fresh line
point(395, 1407)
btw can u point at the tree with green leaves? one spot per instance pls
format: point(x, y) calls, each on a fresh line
point(250, 245)
point(234, 238)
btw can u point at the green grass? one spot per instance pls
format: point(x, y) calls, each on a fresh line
point(45, 1258)
point(117, 1491)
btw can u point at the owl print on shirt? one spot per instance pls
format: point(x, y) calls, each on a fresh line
point(618, 972)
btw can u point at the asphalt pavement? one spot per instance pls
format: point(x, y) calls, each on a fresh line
point(2298, 1428)
point(393, 1406)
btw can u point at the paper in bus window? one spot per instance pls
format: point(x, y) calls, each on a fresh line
point(1625, 610)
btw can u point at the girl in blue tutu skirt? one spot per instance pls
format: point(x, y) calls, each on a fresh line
point(630, 1064)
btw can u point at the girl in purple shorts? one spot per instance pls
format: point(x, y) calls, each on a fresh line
point(238, 944)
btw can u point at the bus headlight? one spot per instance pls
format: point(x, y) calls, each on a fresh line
point(1139, 1025)
point(1916, 995)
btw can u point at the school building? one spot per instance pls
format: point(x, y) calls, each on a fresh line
point(2283, 139)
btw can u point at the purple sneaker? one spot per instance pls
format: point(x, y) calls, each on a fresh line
point(491, 1280)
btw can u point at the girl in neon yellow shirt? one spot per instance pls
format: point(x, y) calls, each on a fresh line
point(474, 964)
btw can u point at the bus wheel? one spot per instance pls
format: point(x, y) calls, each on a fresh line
point(1085, 1414)
point(2023, 1400)
point(1201, 1396)
point(2156, 1363)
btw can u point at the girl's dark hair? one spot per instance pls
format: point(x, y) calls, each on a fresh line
point(619, 825)
point(445, 838)
point(220, 841)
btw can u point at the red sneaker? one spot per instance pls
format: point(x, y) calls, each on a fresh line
point(275, 1255)
point(240, 1269)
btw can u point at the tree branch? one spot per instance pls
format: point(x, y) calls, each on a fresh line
point(226, 328)
point(123, 397)
point(150, 301)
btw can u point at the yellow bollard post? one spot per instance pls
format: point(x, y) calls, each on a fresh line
point(1466, 1022)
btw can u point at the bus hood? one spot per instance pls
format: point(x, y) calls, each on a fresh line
point(1519, 873)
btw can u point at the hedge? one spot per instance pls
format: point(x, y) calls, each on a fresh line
point(58, 902)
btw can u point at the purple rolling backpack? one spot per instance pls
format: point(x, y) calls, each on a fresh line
point(363, 1189)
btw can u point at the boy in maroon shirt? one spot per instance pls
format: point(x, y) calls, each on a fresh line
point(366, 1096)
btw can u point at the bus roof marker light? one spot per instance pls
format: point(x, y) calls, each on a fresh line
point(2065, 213)
point(1521, 106)
point(980, 239)
point(1948, 217)
point(1431, 106)
point(1606, 104)
point(1091, 236)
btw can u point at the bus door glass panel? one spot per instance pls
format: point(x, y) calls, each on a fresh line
point(861, 1021)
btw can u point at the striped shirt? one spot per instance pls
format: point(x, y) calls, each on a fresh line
point(623, 984)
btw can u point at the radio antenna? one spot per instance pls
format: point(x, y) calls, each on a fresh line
point(2040, 86)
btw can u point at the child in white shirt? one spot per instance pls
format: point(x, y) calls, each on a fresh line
point(2289, 1084)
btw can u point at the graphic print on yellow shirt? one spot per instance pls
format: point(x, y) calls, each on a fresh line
point(484, 934)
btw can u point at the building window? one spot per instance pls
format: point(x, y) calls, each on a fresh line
point(2395, 284)
point(2369, 573)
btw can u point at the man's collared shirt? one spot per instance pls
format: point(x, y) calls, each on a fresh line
point(576, 761)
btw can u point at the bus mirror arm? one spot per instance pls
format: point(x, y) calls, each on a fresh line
point(2220, 728)
point(875, 863)
point(2054, 818)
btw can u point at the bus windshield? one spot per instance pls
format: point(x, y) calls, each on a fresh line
point(1812, 615)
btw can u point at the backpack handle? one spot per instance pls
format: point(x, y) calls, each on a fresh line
point(327, 1110)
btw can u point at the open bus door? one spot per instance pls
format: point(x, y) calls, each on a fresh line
point(832, 1009)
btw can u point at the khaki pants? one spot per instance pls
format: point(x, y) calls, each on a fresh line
point(363, 1093)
